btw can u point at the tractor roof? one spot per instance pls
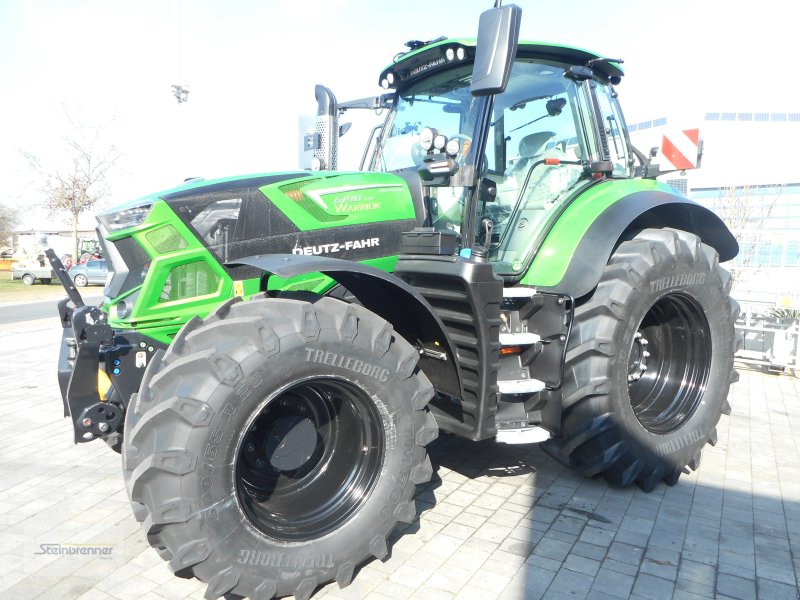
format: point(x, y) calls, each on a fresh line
point(427, 55)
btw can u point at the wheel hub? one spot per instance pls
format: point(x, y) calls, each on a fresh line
point(310, 458)
point(639, 356)
point(669, 363)
point(291, 443)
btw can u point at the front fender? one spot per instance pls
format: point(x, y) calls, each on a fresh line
point(387, 296)
point(576, 250)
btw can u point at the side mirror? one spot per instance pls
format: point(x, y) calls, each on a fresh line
point(555, 106)
point(498, 36)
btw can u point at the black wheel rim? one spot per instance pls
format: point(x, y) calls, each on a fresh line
point(310, 459)
point(669, 363)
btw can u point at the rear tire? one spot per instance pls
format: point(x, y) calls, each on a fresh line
point(81, 280)
point(649, 362)
point(28, 279)
point(276, 444)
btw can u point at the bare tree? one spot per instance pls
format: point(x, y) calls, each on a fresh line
point(745, 209)
point(71, 191)
point(8, 220)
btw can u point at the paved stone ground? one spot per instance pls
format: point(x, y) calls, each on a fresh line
point(497, 521)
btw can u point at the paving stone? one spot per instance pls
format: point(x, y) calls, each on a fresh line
point(613, 583)
point(581, 564)
point(571, 583)
point(735, 587)
point(655, 588)
point(625, 553)
point(589, 550)
point(774, 590)
point(552, 549)
point(697, 572)
point(705, 590)
point(597, 536)
point(528, 583)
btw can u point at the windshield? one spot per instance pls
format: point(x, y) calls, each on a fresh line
point(441, 102)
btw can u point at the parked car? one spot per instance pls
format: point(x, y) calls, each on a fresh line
point(92, 272)
point(32, 270)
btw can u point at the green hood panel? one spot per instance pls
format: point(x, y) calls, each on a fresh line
point(331, 199)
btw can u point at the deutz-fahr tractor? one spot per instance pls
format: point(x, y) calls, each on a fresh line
point(276, 351)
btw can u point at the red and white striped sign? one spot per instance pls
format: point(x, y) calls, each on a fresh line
point(679, 150)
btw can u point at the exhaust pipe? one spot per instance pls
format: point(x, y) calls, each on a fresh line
point(326, 148)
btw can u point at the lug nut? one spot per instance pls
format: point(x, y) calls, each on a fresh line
point(103, 427)
point(646, 354)
point(88, 435)
point(87, 422)
point(260, 463)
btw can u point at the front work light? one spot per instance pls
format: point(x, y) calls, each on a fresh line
point(426, 137)
point(122, 219)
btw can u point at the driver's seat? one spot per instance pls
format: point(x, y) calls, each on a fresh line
point(531, 146)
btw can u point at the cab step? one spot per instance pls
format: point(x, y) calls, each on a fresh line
point(525, 435)
point(519, 339)
point(520, 386)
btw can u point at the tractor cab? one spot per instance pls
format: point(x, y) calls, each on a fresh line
point(497, 168)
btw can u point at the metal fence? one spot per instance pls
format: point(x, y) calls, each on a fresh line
point(765, 339)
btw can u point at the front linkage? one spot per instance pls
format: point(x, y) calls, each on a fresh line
point(98, 368)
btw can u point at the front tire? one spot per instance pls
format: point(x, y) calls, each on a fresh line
point(28, 279)
point(649, 362)
point(81, 280)
point(276, 444)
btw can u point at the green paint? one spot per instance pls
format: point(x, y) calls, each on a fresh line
point(550, 264)
point(331, 199)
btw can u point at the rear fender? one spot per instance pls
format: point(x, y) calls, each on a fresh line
point(574, 265)
point(388, 297)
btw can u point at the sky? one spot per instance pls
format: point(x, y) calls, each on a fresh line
point(251, 67)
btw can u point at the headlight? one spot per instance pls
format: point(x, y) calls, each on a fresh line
point(123, 310)
point(426, 137)
point(452, 148)
point(130, 217)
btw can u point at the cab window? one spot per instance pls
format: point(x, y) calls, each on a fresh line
point(536, 152)
point(610, 120)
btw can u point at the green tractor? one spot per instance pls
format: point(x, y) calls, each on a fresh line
point(276, 351)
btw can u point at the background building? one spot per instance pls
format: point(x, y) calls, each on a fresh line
point(747, 178)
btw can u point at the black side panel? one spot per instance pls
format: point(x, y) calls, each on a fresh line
point(263, 229)
point(415, 189)
point(641, 210)
point(466, 296)
point(388, 297)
